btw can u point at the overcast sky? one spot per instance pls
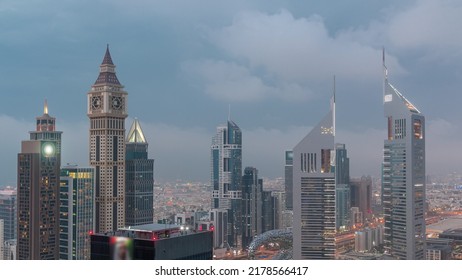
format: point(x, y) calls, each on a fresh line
point(183, 62)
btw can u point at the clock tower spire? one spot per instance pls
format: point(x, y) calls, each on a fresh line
point(107, 110)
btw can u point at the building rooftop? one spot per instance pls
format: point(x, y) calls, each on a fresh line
point(151, 227)
point(452, 223)
point(136, 135)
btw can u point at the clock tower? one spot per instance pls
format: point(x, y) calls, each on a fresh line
point(107, 110)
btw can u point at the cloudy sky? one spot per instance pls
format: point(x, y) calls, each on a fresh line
point(183, 62)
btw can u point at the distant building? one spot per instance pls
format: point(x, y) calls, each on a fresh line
point(76, 212)
point(1, 239)
point(439, 248)
point(342, 187)
point(152, 242)
point(403, 176)
point(226, 175)
point(453, 234)
point(9, 249)
point(287, 220)
point(38, 192)
point(363, 256)
point(139, 179)
point(186, 218)
point(252, 206)
point(314, 192)
point(8, 200)
point(361, 195)
point(356, 217)
point(219, 219)
point(279, 209)
point(288, 178)
point(368, 238)
point(268, 205)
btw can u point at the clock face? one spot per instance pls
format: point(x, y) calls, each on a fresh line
point(96, 102)
point(117, 103)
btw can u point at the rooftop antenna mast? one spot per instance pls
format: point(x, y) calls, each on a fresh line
point(229, 112)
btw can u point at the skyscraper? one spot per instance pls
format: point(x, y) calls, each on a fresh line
point(8, 213)
point(252, 207)
point(268, 207)
point(361, 195)
point(76, 215)
point(226, 173)
point(314, 192)
point(107, 110)
point(288, 178)
point(38, 192)
point(1, 239)
point(342, 187)
point(279, 209)
point(403, 176)
point(139, 178)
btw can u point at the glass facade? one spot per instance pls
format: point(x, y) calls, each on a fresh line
point(139, 179)
point(8, 215)
point(288, 180)
point(226, 175)
point(76, 213)
point(342, 187)
point(252, 216)
point(403, 177)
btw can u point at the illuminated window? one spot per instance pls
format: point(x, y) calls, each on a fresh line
point(325, 160)
point(418, 133)
point(390, 128)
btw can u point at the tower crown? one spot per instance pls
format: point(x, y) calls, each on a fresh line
point(136, 135)
point(107, 74)
point(45, 122)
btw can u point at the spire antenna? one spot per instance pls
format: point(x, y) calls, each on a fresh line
point(45, 107)
point(229, 112)
point(334, 88)
point(333, 108)
point(385, 70)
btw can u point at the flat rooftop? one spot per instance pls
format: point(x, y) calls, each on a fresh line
point(151, 227)
point(450, 223)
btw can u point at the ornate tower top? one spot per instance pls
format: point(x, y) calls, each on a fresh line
point(136, 135)
point(107, 74)
point(45, 122)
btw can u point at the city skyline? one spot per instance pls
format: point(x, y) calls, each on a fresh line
point(200, 60)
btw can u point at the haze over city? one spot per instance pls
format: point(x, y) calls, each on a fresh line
point(272, 61)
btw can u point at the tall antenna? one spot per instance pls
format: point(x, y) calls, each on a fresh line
point(333, 109)
point(229, 112)
point(385, 70)
point(334, 88)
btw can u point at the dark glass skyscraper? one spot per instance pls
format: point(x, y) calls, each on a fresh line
point(268, 207)
point(252, 205)
point(226, 175)
point(38, 192)
point(8, 200)
point(76, 215)
point(342, 187)
point(288, 178)
point(139, 179)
